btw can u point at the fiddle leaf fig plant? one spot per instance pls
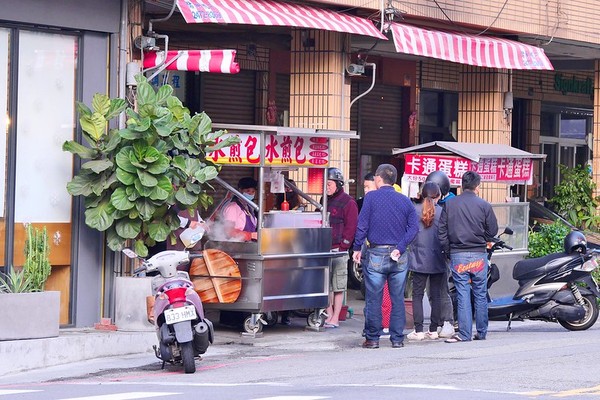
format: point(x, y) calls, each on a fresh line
point(137, 178)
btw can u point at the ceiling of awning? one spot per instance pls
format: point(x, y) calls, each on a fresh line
point(471, 151)
point(274, 13)
point(482, 51)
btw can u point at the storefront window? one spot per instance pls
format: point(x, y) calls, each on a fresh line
point(45, 120)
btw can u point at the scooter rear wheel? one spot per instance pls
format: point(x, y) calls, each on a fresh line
point(187, 357)
point(589, 319)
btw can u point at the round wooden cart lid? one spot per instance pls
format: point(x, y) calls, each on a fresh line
point(204, 272)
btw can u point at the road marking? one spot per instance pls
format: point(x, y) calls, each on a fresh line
point(293, 398)
point(123, 396)
point(9, 392)
point(574, 392)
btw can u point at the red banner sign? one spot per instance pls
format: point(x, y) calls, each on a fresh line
point(505, 170)
point(278, 150)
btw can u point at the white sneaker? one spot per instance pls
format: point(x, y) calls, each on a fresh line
point(446, 331)
point(431, 335)
point(414, 335)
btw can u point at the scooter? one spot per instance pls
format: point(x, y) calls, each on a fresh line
point(555, 288)
point(182, 330)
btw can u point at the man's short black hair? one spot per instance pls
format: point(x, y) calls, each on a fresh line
point(369, 177)
point(470, 180)
point(388, 173)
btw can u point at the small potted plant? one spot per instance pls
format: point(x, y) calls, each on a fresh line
point(26, 310)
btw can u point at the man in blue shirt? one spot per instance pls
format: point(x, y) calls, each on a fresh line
point(389, 222)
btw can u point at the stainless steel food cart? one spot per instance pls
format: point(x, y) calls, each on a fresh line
point(287, 267)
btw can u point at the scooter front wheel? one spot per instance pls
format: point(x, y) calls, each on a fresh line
point(187, 357)
point(589, 319)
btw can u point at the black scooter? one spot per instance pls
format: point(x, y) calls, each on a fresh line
point(555, 288)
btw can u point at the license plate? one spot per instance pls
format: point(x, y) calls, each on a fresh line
point(174, 315)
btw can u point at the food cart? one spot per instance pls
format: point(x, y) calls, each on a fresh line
point(495, 163)
point(287, 267)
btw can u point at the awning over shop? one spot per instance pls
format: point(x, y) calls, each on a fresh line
point(216, 61)
point(494, 162)
point(482, 51)
point(274, 13)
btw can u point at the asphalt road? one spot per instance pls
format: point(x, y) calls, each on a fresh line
point(534, 360)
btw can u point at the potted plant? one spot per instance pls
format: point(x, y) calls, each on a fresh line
point(26, 310)
point(136, 179)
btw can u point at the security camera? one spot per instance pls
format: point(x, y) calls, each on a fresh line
point(355, 69)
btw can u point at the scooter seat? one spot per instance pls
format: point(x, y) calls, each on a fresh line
point(530, 268)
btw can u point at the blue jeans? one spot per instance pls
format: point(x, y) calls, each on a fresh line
point(379, 269)
point(469, 271)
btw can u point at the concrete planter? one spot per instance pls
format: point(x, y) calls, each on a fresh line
point(29, 315)
point(130, 303)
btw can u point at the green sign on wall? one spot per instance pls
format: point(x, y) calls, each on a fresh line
point(573, 85)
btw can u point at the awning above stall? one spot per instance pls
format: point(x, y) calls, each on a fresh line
point(274, 13)
point(482, 51)
point(216, 61)
point(494, 162)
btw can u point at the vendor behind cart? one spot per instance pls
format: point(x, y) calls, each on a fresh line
point(238, 218)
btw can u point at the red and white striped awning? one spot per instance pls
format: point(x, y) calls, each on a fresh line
point(482, 51)
point(217, 61)
point(274, 13)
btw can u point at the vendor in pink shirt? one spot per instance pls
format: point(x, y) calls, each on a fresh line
point(239, 217)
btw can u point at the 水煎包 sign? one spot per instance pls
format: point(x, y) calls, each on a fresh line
point(278, 150)
point(497, 169)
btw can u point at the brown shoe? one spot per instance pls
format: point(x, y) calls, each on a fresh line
point(397, 345)
point(370, 344)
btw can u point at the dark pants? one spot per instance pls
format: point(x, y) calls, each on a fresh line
point(436, 282)
point(447, 310)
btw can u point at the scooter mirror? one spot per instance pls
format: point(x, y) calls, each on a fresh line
point(129, 253)
point(508, 231)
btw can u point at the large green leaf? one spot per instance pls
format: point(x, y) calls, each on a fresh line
point(79, 149)
point(204, 127)
point(151, 155)
point(81, 185)
point(163, 94)
point(98, 165)
point(141, 125)
point(114, 241)
point(120, 201)
point(130, 134)
point(83, 109)
point(231, 140)
point(160, 166)
point(158, 231)
point(100, 217)
point(206, 174)
point(116, 107)
point(94, 125)
point(123, 160)
point(144, 191)
point(125, 177)
point(146, 208)
point(140, 248)
point(113, 141)
point(145, 94)
point(127, 228)
point(147, 179)
point(185, 197)
point(101, 104)
point(162, 190)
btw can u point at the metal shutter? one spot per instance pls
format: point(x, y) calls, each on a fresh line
point(230, 99)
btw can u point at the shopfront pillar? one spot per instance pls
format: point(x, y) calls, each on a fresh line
point(319, 89)
point(596, 129)
point(482, 116)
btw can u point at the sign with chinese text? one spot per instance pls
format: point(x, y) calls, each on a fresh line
point(279, 151)
point(504, 170)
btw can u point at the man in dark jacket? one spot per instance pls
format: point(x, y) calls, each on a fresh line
point(467, 223)
point(343, 217)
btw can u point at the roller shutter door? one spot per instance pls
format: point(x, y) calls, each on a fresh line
point(230, 99)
